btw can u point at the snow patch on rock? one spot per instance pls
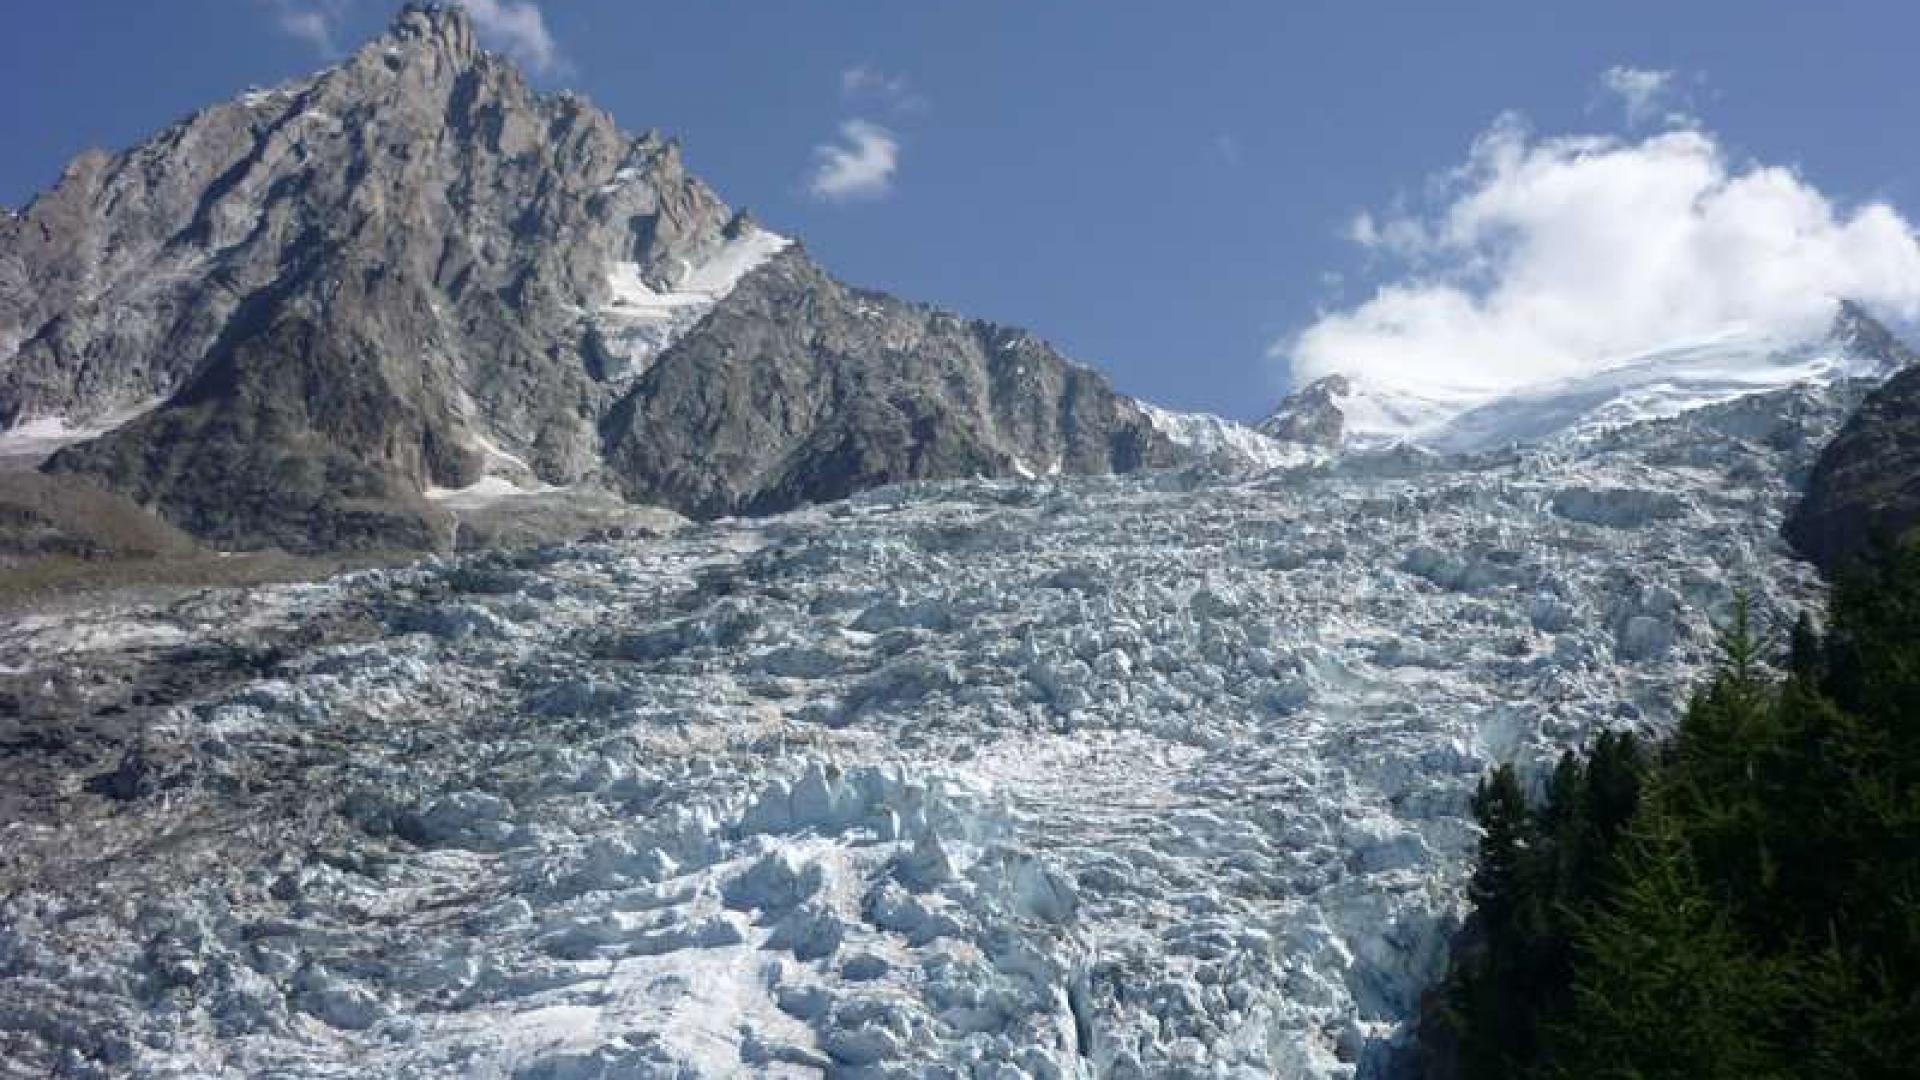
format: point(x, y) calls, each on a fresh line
point(639, 322)
point(36, 438)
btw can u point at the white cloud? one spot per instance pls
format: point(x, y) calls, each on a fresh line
point(863, 82)
point(1228, 147)
point(1544, 258)
point(860, 166)
point(1395, 234)
point(517, 28)
point(311, 27)
point(1642, 91)
point(313, 22)
point(1648, 95)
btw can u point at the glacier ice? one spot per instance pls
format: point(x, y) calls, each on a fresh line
point(1163, 775)
point(1713, 369)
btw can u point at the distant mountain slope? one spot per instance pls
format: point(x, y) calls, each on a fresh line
point(1340, 410)
point(1865, 487)
point(797, 388)
point(410, 271)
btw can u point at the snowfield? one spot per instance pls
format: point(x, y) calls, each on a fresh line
point(1669, 381)
point(1153, 776)
point(638, 323)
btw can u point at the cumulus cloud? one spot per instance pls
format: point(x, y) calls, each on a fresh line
point(517, 28)
point(859, 166)
point(1646, 94)
point(1545, 258)
point(866, 83)
point(316, 23)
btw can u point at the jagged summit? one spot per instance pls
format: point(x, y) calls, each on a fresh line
point(444, 25)
point(1311, 415)
point(1855, 329)
point(1345, 410)
point(328, 303)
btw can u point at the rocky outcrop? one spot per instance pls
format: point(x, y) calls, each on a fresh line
point(797, 388)
point(1865, 487)
point(411, 271)
point(1311, 415)
point(290, 439)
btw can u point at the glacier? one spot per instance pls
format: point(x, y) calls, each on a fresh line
point(1712, 368)
point(1207, 435)
point(1155, 775)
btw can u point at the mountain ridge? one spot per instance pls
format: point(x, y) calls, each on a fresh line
point(409, 272)
point(1863, 491)
point(1345, 410)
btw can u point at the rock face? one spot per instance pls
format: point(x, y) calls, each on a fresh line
point(411, 271)
point(1311, 415)
point(1865, 487)
point(797, 388)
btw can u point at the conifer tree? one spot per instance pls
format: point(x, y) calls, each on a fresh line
point(1499, 887)
point(1743, 903)
point(1666, 987)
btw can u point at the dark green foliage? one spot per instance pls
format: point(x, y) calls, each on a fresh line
point(1537, 869)
point(1663, 986)
point(1747, 904)
point(1498, 884)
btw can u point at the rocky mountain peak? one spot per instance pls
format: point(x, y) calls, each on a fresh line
point(444, 27)
point(1862, 491)
point(1311, 415)
point(1855, 329)
point(330, 302)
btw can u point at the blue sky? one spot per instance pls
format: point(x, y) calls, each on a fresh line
point(1170, 191)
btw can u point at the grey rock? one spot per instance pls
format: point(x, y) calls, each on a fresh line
point(799, 389)
point(394, 275)
point(1311, 415)
point(1865, 486)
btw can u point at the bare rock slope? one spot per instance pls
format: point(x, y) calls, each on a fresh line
point(1865, 487)
point(410, 272)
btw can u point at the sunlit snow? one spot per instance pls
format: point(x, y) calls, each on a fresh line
point(36, 438)
point(1163, 775)
point(1662, 383)
point(1208, 435)
point(639, 322)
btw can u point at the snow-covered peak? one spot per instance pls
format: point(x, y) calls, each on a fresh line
point(1211, 436)
point(1658, 383)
